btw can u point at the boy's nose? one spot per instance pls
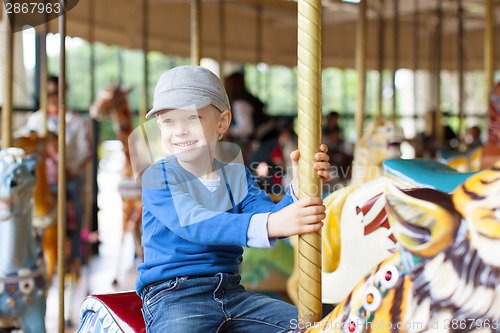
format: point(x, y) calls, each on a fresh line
point(180, 129)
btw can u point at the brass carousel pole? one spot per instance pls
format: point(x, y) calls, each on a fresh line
point(90, 171)
point(361, 69)
point(489, 45)
point(144, 103)
point(460, 52)
point(222, 37)
point(439, 132)
point(416, 49)
point(381, 39)
point(195, 32)
point(61, 166)
point(309, 130)
point(258, 49)
point(396, 57)
point(7, 107)
point(43, 76)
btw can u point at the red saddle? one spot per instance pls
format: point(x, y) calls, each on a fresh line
point(118, 312)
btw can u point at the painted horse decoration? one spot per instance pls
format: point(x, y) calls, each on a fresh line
point(23, 285)
point(446, 273)
point(112, 101)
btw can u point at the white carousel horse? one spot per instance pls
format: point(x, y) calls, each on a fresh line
point(112, 101)
point(444, 278)
point(357, 235)
point(381, 141)
point(23, 284)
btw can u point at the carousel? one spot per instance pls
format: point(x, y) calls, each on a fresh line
point(408, 244)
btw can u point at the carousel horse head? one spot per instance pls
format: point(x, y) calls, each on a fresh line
point(381, 141)
point(17, 175)
point(22, 272)
point(111, 101)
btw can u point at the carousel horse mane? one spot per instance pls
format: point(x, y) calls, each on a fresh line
point(22, 272)
point(445, 275)
point(381, 141)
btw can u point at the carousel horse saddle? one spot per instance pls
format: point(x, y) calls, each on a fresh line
point(425, 173)
point(118, 312)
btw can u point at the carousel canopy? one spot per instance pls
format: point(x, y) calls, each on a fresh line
point(266, 30)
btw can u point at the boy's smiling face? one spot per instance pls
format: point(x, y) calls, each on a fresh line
point(189, 133)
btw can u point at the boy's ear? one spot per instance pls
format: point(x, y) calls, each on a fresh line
point(224, 121)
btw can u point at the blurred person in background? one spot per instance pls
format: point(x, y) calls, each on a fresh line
point(78, 154)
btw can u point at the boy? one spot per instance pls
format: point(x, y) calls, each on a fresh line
point(198, 213)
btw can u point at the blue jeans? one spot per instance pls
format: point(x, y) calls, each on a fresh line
point(212, 304)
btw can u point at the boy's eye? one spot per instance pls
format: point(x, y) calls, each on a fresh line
point(193, 117)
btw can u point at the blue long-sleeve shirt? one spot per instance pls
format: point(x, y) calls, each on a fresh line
point(189, 230)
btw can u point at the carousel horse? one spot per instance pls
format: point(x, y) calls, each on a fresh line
point(445, 274)
point(467, 161)
point(484, 156)
point(23, 285)
point(356, 233)
point(381, 141)
point(112, 101)
point(44, 208)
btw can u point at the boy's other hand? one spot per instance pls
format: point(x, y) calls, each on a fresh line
point(303, 216)
point(322, 166)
